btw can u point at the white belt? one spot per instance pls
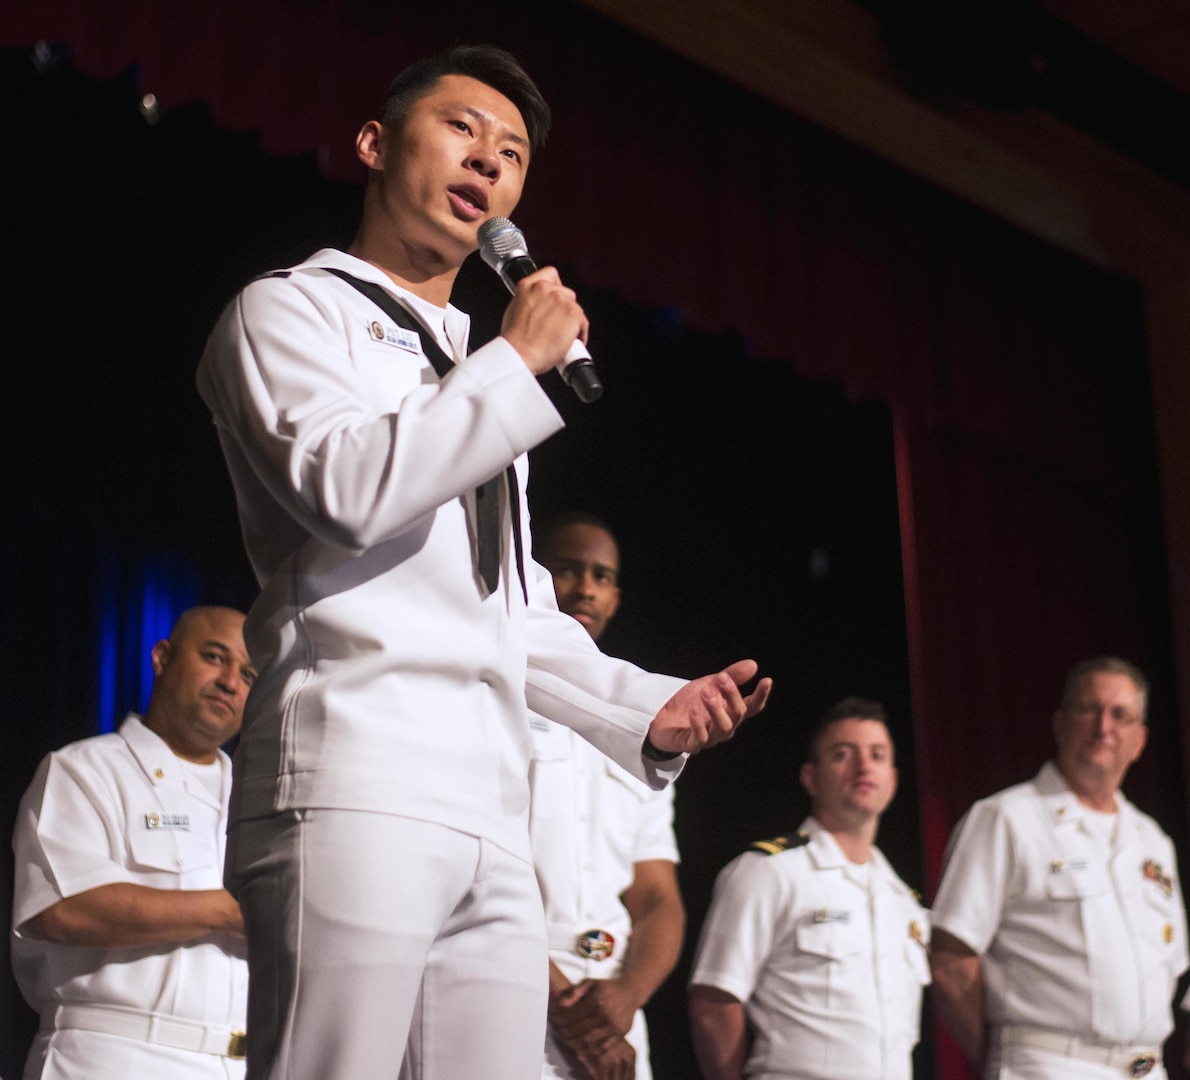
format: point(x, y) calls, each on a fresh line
point(1131, 1060)
point(151, 1028)
point(589, 942)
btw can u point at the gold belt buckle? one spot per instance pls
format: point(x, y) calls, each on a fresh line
point(1142, 1065)
point(237, 1046)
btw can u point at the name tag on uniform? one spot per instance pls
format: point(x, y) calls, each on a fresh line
point(155, 820)
point(396, 336)
point(1067, 866)
point(825, 915)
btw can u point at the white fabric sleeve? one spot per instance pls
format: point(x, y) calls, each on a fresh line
point(278, 376)
point(1179, 907)
point(976, 878)
point(748, 905)
point(64, 840)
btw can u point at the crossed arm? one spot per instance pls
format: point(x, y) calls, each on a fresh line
point(958, 993)
point(127, 915)
point(592, 1017)
point(719, 1030)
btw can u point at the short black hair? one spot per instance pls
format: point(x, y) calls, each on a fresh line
point(850, 708)
point(487, 64)
point(1106, 665)
point(543, 534)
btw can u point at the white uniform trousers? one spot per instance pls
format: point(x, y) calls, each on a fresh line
point(386, 947)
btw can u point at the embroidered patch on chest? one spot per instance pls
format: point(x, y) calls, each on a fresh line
point(1155, 872)
point(396, 336)
point(162, 820)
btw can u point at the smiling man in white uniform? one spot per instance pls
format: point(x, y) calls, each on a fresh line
point(605, 853)
point(1060, 929)
point(812, 959)
point(380, 846)
point(124, 939)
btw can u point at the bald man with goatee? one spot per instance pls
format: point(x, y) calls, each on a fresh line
point(124, 939)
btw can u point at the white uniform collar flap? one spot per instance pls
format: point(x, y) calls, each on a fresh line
point(161, 765)
point(152, 754)
point(458, 323)
point(1066, 808)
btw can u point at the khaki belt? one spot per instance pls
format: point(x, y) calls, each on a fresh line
point(1130, 1060)
point(151, 1028)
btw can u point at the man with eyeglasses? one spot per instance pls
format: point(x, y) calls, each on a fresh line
point(1059, 928)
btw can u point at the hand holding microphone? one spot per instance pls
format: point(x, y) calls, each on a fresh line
point(502, 246)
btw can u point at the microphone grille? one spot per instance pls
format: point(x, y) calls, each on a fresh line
point(499, 241)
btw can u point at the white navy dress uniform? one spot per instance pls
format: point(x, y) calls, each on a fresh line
point(1079, 923)
point(828, 957)
point(385, 744)
point(124, 808)
point(590, 822)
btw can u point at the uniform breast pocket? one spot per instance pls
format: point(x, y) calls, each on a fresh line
point(829, 938)
point(1158, 924)
point(154, 850)
point(551, 777)
point(622, 786)
point(1073, 880)
point(830, 961)
point(917, 963)
point(179, 858)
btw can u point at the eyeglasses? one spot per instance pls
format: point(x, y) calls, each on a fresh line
point(1118, 714)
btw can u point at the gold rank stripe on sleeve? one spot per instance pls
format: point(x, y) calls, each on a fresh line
point(781, 843)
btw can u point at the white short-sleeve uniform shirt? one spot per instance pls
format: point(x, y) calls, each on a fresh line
point(123, 808)
point(828, 957)
point(590, 823)
point(1079, 922)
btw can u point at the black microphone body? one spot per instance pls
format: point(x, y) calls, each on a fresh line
point(502, 247)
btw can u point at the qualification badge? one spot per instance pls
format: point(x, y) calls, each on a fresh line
point(1155, 872)
point(596, 944)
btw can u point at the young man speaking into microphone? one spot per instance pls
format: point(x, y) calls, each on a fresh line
point(379, 844)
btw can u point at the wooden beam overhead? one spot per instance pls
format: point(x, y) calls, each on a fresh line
point(827, 61)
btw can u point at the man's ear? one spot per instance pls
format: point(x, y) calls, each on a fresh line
point(160, 656)
point(1141, 742)
point(369, 144)
point(809, 777)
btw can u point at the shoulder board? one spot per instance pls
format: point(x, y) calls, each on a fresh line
point(272, 273)
point(781, 843)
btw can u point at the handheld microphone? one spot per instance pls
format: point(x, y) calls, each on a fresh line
point(502, 246)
